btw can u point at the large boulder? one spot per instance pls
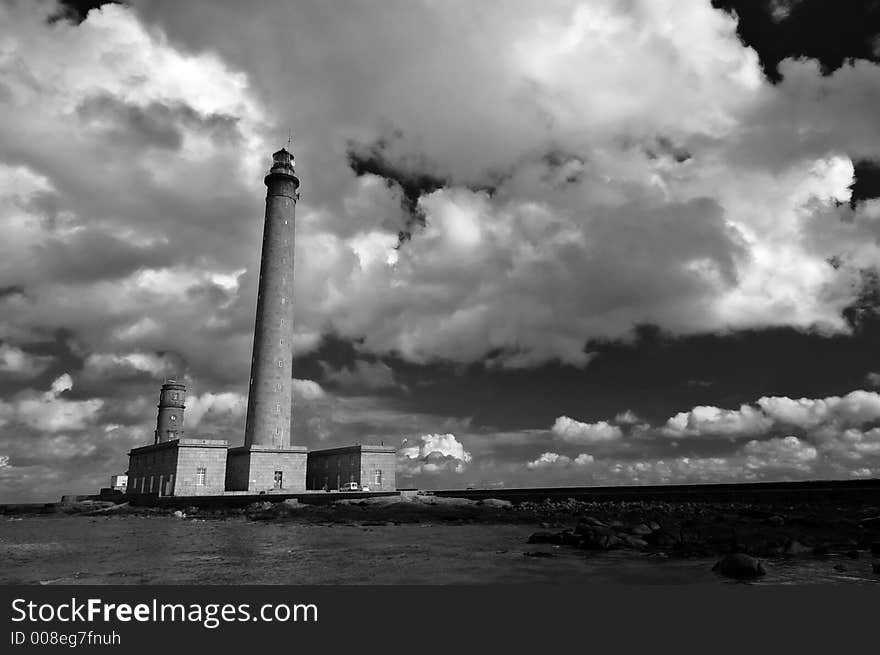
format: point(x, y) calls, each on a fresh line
point(739, 566)
point(795, 548)
point(496, 503)
point(545, 538)
point(640, 529)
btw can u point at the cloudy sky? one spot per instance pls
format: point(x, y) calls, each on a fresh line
point(594, 242)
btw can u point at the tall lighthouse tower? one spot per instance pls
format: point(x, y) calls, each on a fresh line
point(268, 461)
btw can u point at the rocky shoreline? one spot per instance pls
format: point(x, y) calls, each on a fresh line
point(746, 531)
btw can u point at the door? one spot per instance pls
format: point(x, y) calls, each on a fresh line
point(278, 476)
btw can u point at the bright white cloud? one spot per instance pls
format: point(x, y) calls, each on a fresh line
point(707, 420)
point(572, 431)
point(788, 453)
point(550, 460)
point(433, 453)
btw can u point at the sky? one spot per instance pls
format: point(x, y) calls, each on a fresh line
point(538, 243)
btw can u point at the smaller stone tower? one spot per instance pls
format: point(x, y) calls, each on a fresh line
point(169, 423)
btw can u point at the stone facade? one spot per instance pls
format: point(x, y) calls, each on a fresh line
point(169, 422)
point(371, 466)
point(257, 469)
point(181, 467)
point(270, 391)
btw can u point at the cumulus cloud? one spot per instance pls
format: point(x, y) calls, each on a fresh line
point(363, 375)
point(210, 404)
point(637, 144)
point(433, 453)
point(307, 389)
point(576, 432)
point(707, 420)
point(787, 453)
point(549, 459)
point(49, 412)
point(15, 362)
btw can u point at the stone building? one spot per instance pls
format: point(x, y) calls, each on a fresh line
point(174, 465)
point(169, 422)
point(369, 466)
point(267, 460)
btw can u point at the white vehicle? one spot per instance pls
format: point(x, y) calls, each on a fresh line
point(365, 488)
point(349, 486)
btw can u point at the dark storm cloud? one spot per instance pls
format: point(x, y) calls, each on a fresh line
point(11, 290)
point(410, 177)
point(156, 124)
point(93, 254)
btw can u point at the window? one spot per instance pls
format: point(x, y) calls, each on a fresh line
point(200, 476)
point(174, 395)
point(151, 484)
point(278, 477)
point(377, 477)
point(173, 417)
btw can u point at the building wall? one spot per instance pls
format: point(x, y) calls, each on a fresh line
point(386, 463)
point(333, 469)
point(336, 466)
point(254, 470)
point(171, 468)
point(189, 460)
point(152, 469)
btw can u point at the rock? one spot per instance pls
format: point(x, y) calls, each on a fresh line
point(591, 520)
point(640, 529)
point(292, 502)
point(179, 514)
point(661, 539)
point(655, 527)
point(497, 503)
point(635, 542)
point(739, 566)
point(545, 538)
point(794, 548)
point(591, 529)
point(776, 520)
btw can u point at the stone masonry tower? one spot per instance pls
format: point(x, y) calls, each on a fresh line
point(267, 460)
point(269, 395)
point(169, 423)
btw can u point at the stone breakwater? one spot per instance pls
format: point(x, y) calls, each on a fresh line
point(739, 533)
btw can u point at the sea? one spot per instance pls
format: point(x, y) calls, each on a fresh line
point(148, 550)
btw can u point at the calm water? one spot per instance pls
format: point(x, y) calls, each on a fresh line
point(165, 550)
